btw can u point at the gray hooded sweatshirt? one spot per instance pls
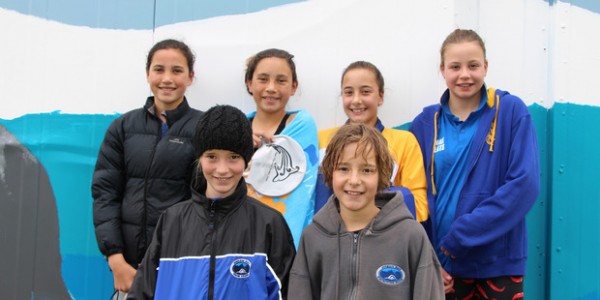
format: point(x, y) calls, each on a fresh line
point(391, 258)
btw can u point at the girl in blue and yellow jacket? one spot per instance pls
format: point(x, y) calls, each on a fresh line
point(362, 94)
point(481, 156)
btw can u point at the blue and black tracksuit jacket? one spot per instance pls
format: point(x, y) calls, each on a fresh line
point(232, 248)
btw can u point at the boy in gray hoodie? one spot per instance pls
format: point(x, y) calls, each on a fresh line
point(363, 244)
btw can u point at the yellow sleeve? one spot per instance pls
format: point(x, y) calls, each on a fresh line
point(325, 136)
point(410, 172)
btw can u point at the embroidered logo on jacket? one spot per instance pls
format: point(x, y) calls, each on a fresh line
point(240, 268)
point(439, 145)
point(176, 141)
point(390, 274)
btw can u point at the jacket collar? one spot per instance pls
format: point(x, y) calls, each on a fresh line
point(171, 115)
point(378, 124)
point(485, 98)
point(221, 206)
point(393, 210)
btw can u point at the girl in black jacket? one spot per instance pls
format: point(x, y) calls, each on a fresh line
point(145, 162)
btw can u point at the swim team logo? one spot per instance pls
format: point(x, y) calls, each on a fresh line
point(283, 164)
point(240, 268)
point(277, 168)
point(390, 274)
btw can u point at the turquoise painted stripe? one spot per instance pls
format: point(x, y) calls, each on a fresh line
point(591, 5)
point(170, 12)
point(140, 14)
point(113, 14)
point(135, 14)
point(563, 226)
point(87, 277)
point(538, 217)
point(575, 202)
point(67, 146)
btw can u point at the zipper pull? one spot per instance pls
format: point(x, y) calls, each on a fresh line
point(211, 225)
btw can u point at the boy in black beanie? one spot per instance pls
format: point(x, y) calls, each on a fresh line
point(221, 244)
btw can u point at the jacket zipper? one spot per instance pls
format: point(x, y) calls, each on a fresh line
point(144, 215)
point(354, 265)
point(472, 166)
point(211, 275)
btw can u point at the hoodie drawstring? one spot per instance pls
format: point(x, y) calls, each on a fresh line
point(431, 171)
point(339, 247)
point(491, 137)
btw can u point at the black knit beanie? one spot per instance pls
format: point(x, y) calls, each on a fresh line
point(224, 127)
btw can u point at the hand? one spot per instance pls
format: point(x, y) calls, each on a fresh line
point(258, 139)
point(448, 282)
point(123, 273)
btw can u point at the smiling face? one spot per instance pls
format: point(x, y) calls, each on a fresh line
point(464, 68)
point(223, 170)
point(355, 179)
point(168, 77)
point(272, 85)
point(361, 96)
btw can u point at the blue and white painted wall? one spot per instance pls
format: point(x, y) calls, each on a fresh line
point(68, 68)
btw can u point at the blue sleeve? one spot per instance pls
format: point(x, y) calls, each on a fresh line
point(409, 199)
point(322, 192)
